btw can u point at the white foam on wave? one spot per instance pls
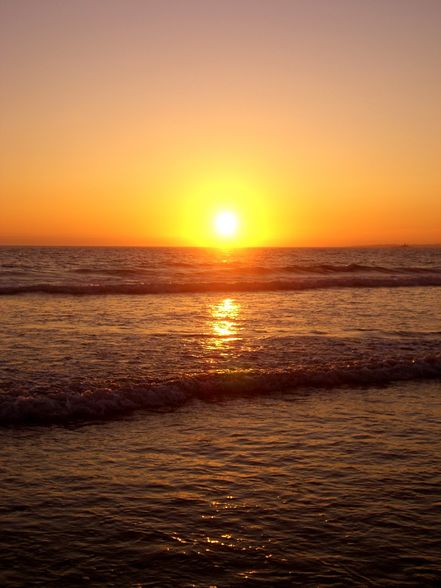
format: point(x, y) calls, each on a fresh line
point(92, 404)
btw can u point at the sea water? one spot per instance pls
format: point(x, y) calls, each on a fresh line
point(180, 417)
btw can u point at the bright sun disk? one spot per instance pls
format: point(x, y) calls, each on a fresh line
point(225, 224)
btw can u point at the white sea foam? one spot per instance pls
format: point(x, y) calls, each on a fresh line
point(73, 405)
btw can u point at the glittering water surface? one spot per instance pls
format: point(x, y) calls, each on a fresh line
point(207, 418)
point(69, 358)
point(332, 488)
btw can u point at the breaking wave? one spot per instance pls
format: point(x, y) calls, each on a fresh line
point(223, 286)
point(20, 407)
point(241, 268)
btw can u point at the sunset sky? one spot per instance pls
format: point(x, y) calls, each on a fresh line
point(135, 122)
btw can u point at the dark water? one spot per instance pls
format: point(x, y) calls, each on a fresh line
point(182, 417)
point(330, 488)
point(106, 270)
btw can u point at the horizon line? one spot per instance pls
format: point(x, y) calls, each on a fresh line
point(115, 246)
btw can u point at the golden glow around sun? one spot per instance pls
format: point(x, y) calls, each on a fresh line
point(226, 224)
point(222, 208)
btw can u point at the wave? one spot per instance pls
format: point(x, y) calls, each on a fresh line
point(65, 406)
point(113, 271)
point(240, 267)
point(326, 268)
point(223, 286)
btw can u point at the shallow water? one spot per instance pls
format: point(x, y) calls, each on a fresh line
point(66, 357)
point(313, 488)
point(207, 418)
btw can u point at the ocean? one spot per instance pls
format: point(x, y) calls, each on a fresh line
point(199, 417)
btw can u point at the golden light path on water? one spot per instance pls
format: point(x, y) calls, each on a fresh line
point(224, 320)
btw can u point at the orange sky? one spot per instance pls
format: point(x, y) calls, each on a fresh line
point(133, 122)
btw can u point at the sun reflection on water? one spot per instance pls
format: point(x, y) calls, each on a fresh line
point(224, 317)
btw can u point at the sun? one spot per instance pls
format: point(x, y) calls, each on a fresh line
point(226, 224)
